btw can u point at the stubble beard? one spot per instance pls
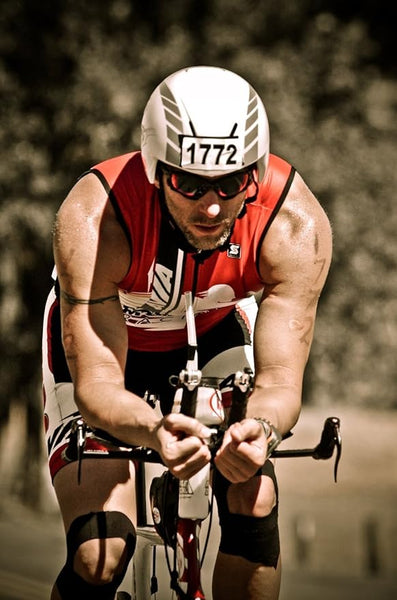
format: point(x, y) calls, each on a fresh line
point(207, 243)
point(202, 242)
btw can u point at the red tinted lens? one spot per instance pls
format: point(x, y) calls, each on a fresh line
point(234, 184)
point(185, 183)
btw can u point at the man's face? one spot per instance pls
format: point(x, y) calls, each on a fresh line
point(206, 222)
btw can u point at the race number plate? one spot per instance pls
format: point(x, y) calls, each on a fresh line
point(212, 153)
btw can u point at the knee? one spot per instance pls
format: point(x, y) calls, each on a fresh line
point(255, 498)
point(248, 514)
point(99, 562)
point(99, 547)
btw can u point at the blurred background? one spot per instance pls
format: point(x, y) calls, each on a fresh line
point(74, 78)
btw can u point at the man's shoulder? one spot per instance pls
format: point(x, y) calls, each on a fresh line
point(277, 163)
point(114, 166)
point(300, 220)
point(276, 183)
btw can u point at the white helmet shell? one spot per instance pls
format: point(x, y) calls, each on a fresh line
point(205, 120)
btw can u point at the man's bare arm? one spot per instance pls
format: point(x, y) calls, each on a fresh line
point(92, 255)
point(69, 299)
point(294, 263)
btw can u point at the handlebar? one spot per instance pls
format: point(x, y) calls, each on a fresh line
point(88, 443)
point(330, 440)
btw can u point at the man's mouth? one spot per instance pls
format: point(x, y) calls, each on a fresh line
point(207, 227)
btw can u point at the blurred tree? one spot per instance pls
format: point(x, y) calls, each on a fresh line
point(74, 78)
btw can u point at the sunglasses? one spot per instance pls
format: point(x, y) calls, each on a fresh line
point(194, 187)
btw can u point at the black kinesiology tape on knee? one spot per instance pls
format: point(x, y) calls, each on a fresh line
point(254, 538)
point(95, 525)
point(100, 525)
point(73, 587)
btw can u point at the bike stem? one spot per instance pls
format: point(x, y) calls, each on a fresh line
point(190, 378)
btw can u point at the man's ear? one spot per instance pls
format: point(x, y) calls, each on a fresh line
point(157, 181)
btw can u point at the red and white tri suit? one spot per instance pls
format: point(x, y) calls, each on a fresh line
point(151, 295)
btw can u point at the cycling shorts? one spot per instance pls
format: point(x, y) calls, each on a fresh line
point(222, 351)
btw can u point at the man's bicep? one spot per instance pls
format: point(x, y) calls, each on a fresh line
point(294, 263)
point(95, 341)
point(297, 249)
point(88, 252)
point(90, 249)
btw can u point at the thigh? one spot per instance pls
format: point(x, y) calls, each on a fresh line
point(105, 485)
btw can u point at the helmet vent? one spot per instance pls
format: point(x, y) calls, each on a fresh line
point(251, 128)
point(174, 124)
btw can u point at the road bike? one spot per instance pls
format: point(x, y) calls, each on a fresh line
point(171, 511)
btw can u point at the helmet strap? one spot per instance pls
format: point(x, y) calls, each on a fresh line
point(254, 196)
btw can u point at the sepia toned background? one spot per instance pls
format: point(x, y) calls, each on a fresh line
point(74, 78)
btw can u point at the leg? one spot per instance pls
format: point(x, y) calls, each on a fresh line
point(99, 518)
point(99, 514)
point(248, 563)
point(251, 581)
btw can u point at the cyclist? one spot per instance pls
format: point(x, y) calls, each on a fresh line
point(202, 207)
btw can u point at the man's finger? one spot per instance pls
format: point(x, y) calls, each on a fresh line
point(177, 422)
point(245, 430)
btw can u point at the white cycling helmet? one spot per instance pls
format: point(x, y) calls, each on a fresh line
point(205, 120)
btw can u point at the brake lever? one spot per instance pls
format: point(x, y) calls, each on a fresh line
point(81, 429)
point(76, 445)
point(337, 458)
point(330, 439)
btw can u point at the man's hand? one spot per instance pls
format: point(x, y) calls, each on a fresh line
point(243, 451)
point(183, 444)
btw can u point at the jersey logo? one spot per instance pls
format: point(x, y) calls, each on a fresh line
point(147, 312)
point(234, 250)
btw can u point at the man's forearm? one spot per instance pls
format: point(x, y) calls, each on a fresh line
point(279, 404)
point(122, 414)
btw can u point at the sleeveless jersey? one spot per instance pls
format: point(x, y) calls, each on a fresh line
point(151, 294)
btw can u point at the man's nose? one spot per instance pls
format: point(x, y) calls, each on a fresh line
point(210, 205)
